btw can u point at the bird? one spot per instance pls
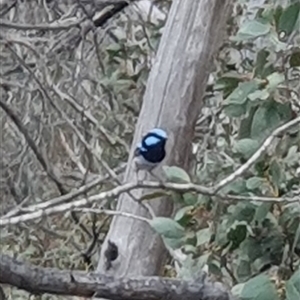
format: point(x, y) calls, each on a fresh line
point(150, 152)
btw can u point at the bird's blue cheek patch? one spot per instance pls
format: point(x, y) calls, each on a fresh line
point(140, 147)
point(151, 140)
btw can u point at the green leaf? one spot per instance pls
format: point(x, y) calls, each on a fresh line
point(293, 287)
point(237, 233)
point(259, 288)
point(243, 270)
point(259, 95)
point(246, 147)
point(262, 212)
point(288, 19)
point(203, 236)
point(226, 84)
point(254, 183)
point(173, 243)
point(261, 61)
point(243, 211)
point(234, 110)
point(176, 174)
point(237, 187)
point(240, 94)
point(252, 29)
point(264, 121)
point(167, 227)
point(274, 80)
point(295, 59)
point(182, 212)
point(190, 198)
point(245, 127)
point(276, 173)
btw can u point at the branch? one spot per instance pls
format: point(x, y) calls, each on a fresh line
point(246, 166)
point(13, 116)
point(67, 197)
point(39, 210)
point(39, 280)
point(45, 209)
point(51, 26)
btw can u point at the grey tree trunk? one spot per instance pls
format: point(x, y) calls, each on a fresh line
point(172, 100)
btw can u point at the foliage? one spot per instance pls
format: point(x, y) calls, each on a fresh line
point(249, 245)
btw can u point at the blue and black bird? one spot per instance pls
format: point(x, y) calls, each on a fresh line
point(150, 152)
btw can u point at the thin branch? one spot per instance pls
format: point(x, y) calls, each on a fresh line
point(258, 198)
point(112, 213)
point(33, 146)
point(114, 193)
point(50, 26)
point(67, 197)
point(37, 211)
point(268, 141)
point(39, 280)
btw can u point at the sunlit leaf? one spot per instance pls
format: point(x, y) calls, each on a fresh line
point(246, 147)
point(274, 80)
point(240, 94)
point(176, 174)
point(252, 29)
point(182, 212)
point(203, 236)
point(254, 183)
point(259, 288)
point(167, 227)
point(259, 95)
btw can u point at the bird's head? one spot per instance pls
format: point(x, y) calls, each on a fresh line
point(155, 136)
point(160, 133)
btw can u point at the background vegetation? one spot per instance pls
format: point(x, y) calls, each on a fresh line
point(77, 95)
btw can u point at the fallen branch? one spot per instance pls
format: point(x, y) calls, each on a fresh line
point(39, 280)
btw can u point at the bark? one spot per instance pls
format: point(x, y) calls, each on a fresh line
point(172, 100)
point(38, 280)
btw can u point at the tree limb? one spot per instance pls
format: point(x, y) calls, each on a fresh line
point(39, 280)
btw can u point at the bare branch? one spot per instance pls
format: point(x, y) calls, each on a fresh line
point(40, 157)
point(44, 209)
point(246, 166)
point(38, 280)
point(50, 26)
point(67, 197)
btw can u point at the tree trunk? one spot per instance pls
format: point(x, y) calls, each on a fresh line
point(172, 100)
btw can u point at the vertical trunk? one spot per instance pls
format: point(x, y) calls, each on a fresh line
point(172, 100)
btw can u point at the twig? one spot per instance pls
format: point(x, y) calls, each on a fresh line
point(112, 213)
point(71, 154)
point(40, 157)
point(51, 26)
point(35, 214)
point(246, 166)
point(67, 197)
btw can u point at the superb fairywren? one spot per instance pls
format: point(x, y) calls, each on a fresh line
point(151, 150)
